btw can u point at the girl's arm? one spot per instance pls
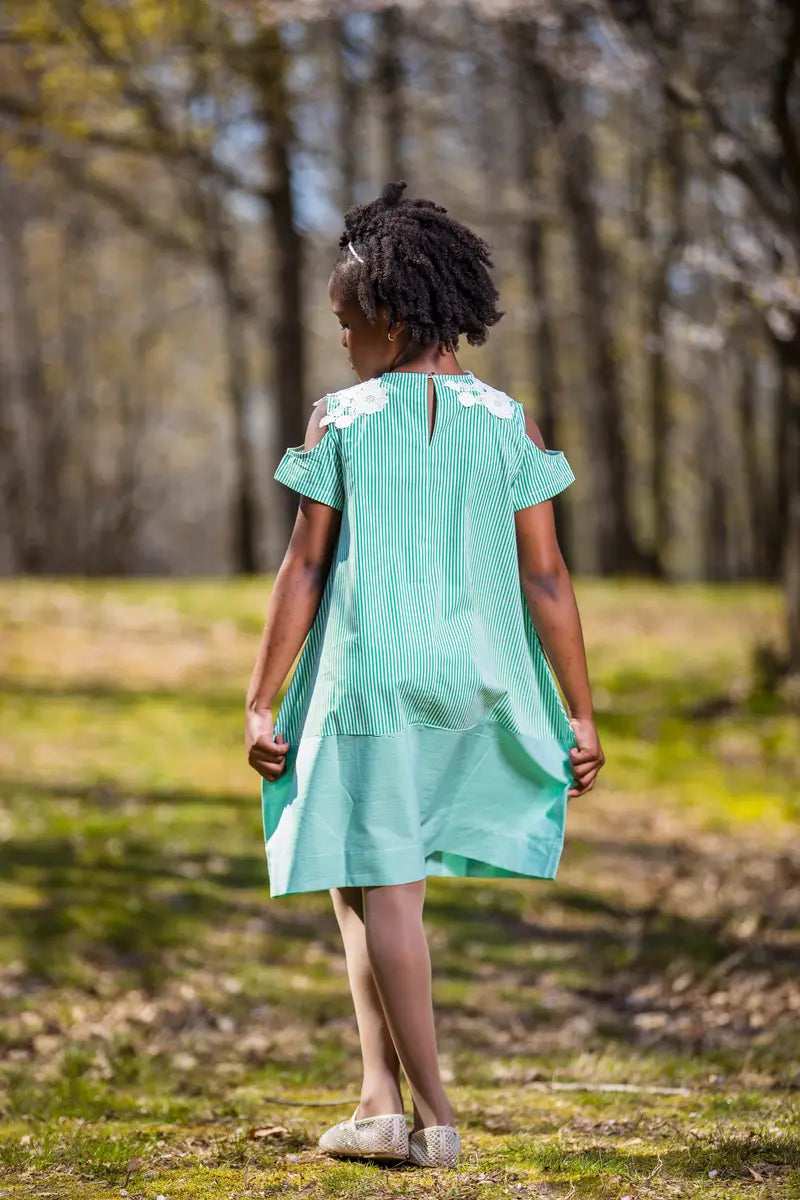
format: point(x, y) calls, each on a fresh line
point(293, 604)
point(550, 597)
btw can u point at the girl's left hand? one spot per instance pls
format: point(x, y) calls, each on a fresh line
point(264, 753)
point(586, 756)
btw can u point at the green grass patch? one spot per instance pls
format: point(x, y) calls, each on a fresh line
point(166, 1030)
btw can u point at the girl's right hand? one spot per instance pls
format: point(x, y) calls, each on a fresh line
point(265, 753)
point(586, 758)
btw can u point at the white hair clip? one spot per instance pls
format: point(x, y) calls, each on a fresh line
point(352, 250)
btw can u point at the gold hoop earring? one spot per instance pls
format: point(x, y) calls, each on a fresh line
point(391, 339)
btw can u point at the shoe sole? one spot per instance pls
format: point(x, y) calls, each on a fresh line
point(365, 1154)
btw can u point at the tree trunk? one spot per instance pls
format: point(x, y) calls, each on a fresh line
point(672, 159)
point(389, 84)
point(234, 313)
point(32, 482)
point(616, 546)
point(347, 100)
point(539, 337)
point(791, 560)
point(716, 516)
point(13, 400)
point(79, 541)
point(790, 555)
point(285, 332)
point(757, 507)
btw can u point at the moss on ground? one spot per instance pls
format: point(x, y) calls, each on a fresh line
point(167, 1030)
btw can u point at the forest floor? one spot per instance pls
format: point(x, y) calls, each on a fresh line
point(167, 1030)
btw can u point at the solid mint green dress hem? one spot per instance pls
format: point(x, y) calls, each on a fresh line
point(354, 810)
point(439, 863)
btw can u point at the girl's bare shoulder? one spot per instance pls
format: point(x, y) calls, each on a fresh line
point(533, 431)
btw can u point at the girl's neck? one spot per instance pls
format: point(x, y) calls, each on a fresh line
point(424, 359)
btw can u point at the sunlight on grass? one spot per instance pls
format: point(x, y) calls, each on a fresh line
point(167, 1029)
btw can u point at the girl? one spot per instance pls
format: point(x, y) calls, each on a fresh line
point(422, 732)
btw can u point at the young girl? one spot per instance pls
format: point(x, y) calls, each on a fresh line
point(422, 732)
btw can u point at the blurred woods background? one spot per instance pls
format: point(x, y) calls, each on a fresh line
point(172, 182)
point(171, 192)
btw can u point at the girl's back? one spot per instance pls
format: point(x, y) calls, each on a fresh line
point(423, 663)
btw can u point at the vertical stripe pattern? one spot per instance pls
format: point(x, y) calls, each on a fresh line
point(423, 620)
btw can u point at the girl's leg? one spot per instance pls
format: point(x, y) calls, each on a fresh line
point(401, 968)
point(380, 1089)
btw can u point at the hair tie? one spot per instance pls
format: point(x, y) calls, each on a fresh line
point(352, 250)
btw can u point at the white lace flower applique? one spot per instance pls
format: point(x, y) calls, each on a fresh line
point(344, 406)
point(472, 391)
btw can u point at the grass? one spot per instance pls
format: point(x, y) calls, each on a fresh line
point(167, 1030)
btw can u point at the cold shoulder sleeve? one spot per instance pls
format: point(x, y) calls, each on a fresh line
point(540, 474)
point(316, 473)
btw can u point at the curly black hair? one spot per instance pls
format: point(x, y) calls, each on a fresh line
point(428, 269)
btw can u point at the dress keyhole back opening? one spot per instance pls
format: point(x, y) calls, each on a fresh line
point(432, 408)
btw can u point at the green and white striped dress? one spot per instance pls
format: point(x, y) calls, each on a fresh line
point(427, 733)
